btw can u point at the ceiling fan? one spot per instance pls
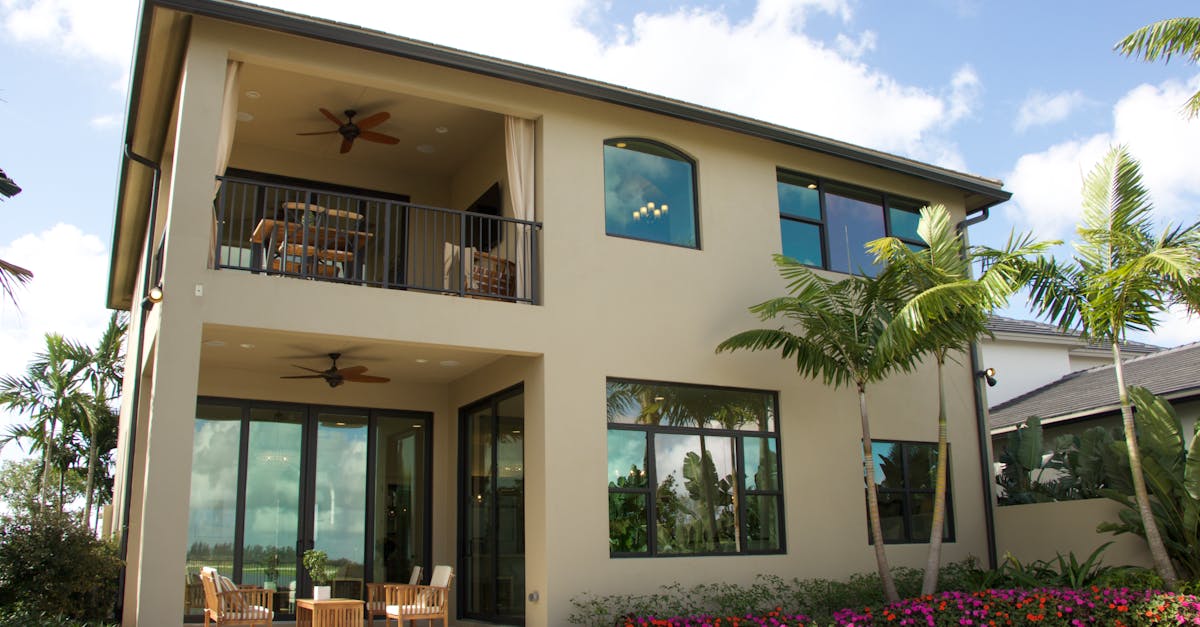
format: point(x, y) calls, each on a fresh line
point(335, 376)
point(351, 130)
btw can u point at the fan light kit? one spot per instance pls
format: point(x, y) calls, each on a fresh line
point(350, 130)
point(335, 376)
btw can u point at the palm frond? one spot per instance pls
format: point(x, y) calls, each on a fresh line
point(1163, 39)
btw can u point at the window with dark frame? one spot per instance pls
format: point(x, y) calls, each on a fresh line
point(826, 224)
point(649, 192)
point(905, 476)
point(692, 470)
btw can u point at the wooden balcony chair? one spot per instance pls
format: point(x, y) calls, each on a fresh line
point(377, 596)
point(226, 604)
point(412, 603)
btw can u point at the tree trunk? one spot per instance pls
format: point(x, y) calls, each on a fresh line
point(710, 496)
point(1162, 561)
point(47, 453)
point(934, 563)
point(881, 562)
point(93, 459)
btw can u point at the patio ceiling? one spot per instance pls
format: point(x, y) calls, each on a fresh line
point(285, 103)
point(276, 353)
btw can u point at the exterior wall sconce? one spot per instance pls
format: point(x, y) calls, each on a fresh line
point(153, 296)
point(989, 375)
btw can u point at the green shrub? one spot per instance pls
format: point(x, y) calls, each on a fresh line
point(20, 618)
point(54, 569)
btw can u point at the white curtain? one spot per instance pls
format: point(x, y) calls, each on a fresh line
point(225, 140)
point(228, 118)
point(519, 137)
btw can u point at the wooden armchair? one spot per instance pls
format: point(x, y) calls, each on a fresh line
point(413, 603)
point(377, 596)
point(226, 604)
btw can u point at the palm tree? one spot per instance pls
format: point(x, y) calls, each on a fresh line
point(103, 367)
point(1119, 278)
point(11, 275)
point(837, 331)
point(945, 310)
point(49, 392)
point(1164, 39)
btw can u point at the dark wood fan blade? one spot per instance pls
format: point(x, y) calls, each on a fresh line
point(371, 121)
point(346, 144)
point(352, 370)
point(366, 378)
point(372, 136)
point(329, 114)
point(304, 376)
point(320, 133)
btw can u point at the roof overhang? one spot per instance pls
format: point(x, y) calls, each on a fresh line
point(1189, 394)
point(162, 36)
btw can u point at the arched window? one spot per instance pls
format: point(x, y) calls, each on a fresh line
point(649, 192)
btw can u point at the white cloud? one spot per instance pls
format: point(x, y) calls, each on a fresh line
point(675, 53)
point(1046, 184)
point(1040, 108)
point(81, 28)
point(102, 122)
point(1175, 327)
point(66, 296)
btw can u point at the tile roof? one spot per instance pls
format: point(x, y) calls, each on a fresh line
point(1168, 371)
point(1001, 324)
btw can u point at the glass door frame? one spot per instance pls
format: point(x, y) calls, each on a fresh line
point(308, 469)
point(491, 401)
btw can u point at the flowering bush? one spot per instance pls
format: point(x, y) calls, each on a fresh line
point(1043, 607)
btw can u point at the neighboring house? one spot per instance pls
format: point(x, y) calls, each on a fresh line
point(526, 274)
point(1028, 354)
point(1088, 398)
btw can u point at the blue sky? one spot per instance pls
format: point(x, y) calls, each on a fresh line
point(1029, 92)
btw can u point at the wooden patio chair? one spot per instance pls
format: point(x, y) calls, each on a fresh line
point(377, 596)
point(413, 603)
point(226, 604)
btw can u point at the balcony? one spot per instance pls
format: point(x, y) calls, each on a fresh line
point(329, 236)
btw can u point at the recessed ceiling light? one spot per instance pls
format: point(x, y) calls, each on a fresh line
point(253, 94)
point(246, 346)
point(621, 144)
point(426, 148)
point(215, 343)
point(449, 363)
point(245, 117)
point(441, 130)
point(421, 361)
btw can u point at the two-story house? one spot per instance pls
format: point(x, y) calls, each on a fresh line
point(523, 276)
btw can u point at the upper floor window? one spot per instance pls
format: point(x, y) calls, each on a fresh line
point(828, 224)
point(649, 192)
point(692, 470)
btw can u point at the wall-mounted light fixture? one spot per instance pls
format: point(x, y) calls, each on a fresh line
point(989, 375)
point(153, 296)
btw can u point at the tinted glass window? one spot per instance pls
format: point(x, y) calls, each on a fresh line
point(649, 193)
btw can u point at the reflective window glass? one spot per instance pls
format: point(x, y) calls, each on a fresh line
point(649, 193)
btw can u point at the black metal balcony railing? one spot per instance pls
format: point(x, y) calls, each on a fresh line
point(345, 238)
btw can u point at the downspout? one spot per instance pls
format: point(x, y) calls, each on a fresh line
point(146, 305)
point(981, 420)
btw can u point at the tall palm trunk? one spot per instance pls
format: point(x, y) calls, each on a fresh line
point(93, 459)
point(934, 563)
point(1162, 562)
point(710, 497)
point(881, 562)
point(47, 456)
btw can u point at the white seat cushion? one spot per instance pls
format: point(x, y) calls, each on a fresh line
point(250, 612)
point(395, 610)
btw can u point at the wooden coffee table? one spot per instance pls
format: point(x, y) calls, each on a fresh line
point(329, 613)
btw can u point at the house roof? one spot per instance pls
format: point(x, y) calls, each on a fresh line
point(8, 188)
point(1003, 325)
point(158, 55)
point(1173, 372)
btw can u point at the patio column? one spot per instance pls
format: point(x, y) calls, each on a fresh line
point(175, 363)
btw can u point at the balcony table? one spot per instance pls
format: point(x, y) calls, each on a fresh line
point(329, 613)
point(313, 243)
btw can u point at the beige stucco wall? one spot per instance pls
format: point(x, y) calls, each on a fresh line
point(610, 308)
point(1040, 531)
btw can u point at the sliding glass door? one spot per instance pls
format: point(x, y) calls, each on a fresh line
point(492, 509)
point(270, 481)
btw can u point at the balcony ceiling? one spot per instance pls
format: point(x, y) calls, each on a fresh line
point(270, 353)
point(287, 103)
